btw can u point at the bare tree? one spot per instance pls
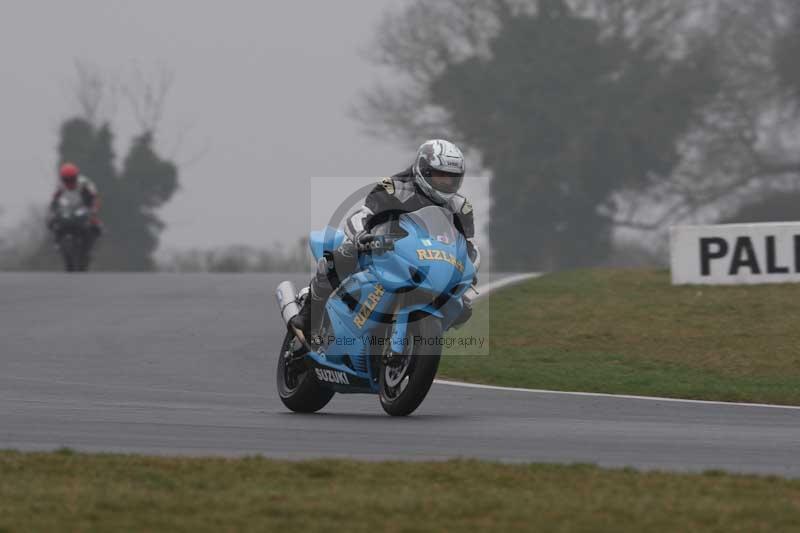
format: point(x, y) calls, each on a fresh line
point(415, 48)
point(95, 92)
point(147, 96)
point(745, 143)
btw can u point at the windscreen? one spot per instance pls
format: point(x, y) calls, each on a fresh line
point(435, 222)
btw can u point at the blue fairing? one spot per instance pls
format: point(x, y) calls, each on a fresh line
point(427, 271)
point(326, 240)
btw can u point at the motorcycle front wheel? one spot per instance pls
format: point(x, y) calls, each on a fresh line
point(67, 247)
point(83, 256)
point(298, 388)
point(405, 379)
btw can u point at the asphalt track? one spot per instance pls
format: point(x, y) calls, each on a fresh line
point(184, 364)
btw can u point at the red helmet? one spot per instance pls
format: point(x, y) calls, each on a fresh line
point(69, 174)
point(69, 170)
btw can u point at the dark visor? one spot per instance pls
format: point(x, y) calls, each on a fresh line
point(445, 181)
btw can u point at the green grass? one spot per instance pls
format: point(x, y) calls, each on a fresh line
point(76, 492)
point(631, 332)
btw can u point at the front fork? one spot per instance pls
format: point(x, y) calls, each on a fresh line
point(399, 333)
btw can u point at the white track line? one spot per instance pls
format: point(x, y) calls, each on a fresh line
point(484, 290)
point(516, 278)
point(615, 396)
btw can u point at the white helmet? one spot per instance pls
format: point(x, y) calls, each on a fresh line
point(439, 169)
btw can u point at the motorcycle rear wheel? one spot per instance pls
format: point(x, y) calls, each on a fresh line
point(298, 388)
point(400, 395)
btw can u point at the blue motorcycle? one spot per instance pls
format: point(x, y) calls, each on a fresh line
point(382, 329)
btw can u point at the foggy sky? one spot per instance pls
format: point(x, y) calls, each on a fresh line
point(261, 94)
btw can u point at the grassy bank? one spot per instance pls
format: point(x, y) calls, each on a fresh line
point(76, 492)
point(630, 331)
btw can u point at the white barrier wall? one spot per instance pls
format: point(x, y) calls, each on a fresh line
point(730, 254)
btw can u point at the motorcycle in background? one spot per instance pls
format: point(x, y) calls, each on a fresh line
point(71, 225)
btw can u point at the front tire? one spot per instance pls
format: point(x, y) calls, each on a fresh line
point(404, 386)
point(83, 256)
point(298, 388)
point(66, 246)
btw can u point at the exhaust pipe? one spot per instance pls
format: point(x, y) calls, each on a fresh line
point(287, 303)
point(287, 300)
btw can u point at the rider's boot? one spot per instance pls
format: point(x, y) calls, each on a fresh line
point(319, 290)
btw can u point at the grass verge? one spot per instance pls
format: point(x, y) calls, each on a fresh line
point(75, 492)
point(631, 332)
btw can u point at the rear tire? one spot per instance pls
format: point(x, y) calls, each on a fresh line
point(421, 366)
point(298, 389)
